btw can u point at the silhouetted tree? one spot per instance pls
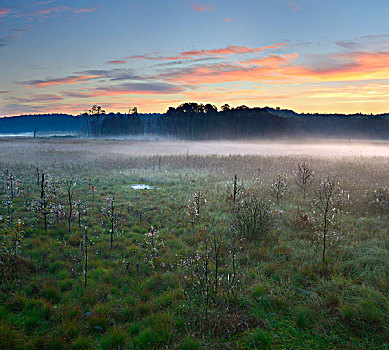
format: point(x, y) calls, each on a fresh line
point(95, 112)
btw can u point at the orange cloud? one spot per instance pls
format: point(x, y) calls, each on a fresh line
point(268, 68)
point(4, 11)
point(350, 66)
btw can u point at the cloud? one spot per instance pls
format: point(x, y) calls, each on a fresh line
point(40, 3)
point(293, 6)
point(229, 50)
point(287, 68)
point(152, 88)
point(74, 79)
point(38, 98)
point(157, 58)
point(268, 68)
point(366, 42)
point(4, 11)
point(55, 10)
point(142, 88)
point(36, 12)
point(116, 62)
point(88, 10)
point(228, 19)
point(50, 10)
point(19, 108)
point(113, 74)
point(194, 54)
point(202, 7)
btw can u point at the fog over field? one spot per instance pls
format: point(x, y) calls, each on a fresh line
point(139, 244)
point(94, 148)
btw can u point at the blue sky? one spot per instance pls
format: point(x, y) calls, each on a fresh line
point(307, 55)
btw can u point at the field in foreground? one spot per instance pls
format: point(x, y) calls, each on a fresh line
point(197, 261)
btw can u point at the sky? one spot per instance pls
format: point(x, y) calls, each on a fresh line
point(307, 55)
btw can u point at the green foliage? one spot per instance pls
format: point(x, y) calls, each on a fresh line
point(190, 344)
point(116, 339)
point(259, 339)
point(304, 317)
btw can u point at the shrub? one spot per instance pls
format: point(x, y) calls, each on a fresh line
point(82, 343)
point(116, 339)
point(379, 200)
point(9, 338)
point(252, 217)
point(259, 339)
point(303, 317)
point(146, 339)
point(365, 313)
point(190, 344)
point(51, 293)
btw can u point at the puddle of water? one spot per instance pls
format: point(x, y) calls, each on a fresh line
point(140, 187)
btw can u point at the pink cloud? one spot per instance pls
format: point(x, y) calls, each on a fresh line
point(202, 7)
point(116, 61)
point(50, 10)
point(229, 50)
point(58, 9)
point(229, 19)
point(293, 6)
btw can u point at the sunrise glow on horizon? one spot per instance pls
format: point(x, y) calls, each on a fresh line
point(310, 56)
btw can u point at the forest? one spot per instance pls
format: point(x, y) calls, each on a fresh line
point(196, 121)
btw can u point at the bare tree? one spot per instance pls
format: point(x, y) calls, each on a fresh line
point(109, 210)
point(280, 187)
point(85, 246)
point(328, 202)
point(235, 191)
point(69, 187)
point(195, 206)
point(81, 211)
point(304, 177)
point(47, 206)
point(12, 189)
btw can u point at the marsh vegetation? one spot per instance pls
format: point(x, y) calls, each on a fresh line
point(229, 246)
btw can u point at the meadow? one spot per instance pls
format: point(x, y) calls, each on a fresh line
point(235, 245)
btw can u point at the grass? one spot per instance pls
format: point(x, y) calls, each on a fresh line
point(282, 296)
